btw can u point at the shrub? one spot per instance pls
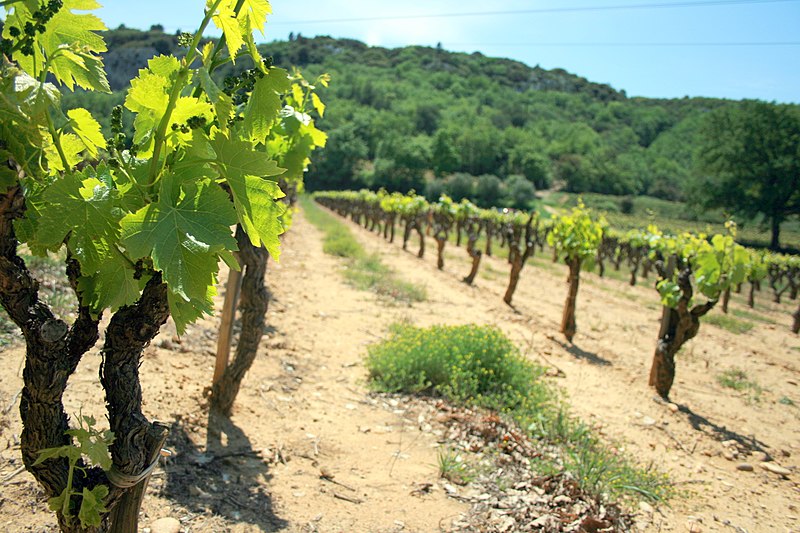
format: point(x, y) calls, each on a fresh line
point(468, 364)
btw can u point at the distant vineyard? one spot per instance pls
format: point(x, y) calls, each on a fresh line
point(694, 272)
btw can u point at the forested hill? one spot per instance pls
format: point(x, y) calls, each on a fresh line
point(466, 124)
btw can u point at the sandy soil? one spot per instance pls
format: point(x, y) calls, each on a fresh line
point(308, 449)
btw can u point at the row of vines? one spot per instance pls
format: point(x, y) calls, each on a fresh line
point(143, 224)
point(693, 272)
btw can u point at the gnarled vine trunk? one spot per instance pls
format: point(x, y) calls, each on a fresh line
point(516, 257)
point(726, 298)
point(796, 323)
point(137, 442)
point(678, 325)
point(53, 351)
point(421, 252)
point(513, 277)
point(253, 304)
point(476, 255)
point(407, 233)
point(440, 242)
point(568, 327)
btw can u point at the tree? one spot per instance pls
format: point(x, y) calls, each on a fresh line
point(334, 167)
point(520, 192)
point(749, 158)
point(460, 186)
point(488, 190)
point(444, 156)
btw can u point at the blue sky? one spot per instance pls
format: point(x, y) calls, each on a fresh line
point(713, 48)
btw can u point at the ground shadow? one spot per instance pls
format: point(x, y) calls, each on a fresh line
point(228, 478)
point(721, 433)
point(580, 353)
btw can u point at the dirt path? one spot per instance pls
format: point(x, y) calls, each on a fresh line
point(307, 448)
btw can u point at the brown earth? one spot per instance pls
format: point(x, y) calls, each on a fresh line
point(309, 449)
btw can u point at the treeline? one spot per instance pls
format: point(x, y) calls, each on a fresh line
point(411, 118)
point(490, 130)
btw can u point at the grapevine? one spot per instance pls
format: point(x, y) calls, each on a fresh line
point(148, 227)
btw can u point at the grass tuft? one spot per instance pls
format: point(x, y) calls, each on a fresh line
point(365, 272)
point(453, 468)
point(749, 315)
point(475, 365)
point(738, 380)
point(729, 323)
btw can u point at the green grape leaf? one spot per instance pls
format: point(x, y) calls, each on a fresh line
point(78, 67)
point(71, 145)
point(185, 312)
point(253, 15)
point(264, 103)
point(114, 285)
point(93, 219)
point(223, 104)
point(245, 170)
point(70, 452)
point(670, 293)
point(148, 96)
point(93, 444)
point(69, 43)
point(184, 233)
point(318, 105)
point(225, 20)
point(185, 108)
point(72, 47)
point(92, 507)
point(87, 129)
point(56, 503)
point(8, 176)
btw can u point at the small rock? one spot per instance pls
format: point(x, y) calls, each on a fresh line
point(730, 455)
point(561, 498)
point(776, 469)
point(646, 508)
point(165, 525)
point(197, 492)
point(544, 522)
point(693, 527)
point(508, 524)
point(730, 443)
point(744, 467)
point(759, 457)
point(672, 407)
point(647, 421)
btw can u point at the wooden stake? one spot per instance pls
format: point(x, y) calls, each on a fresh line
point(232, 288)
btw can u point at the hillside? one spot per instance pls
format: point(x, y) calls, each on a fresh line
point(398, 117)
point(490, 129)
